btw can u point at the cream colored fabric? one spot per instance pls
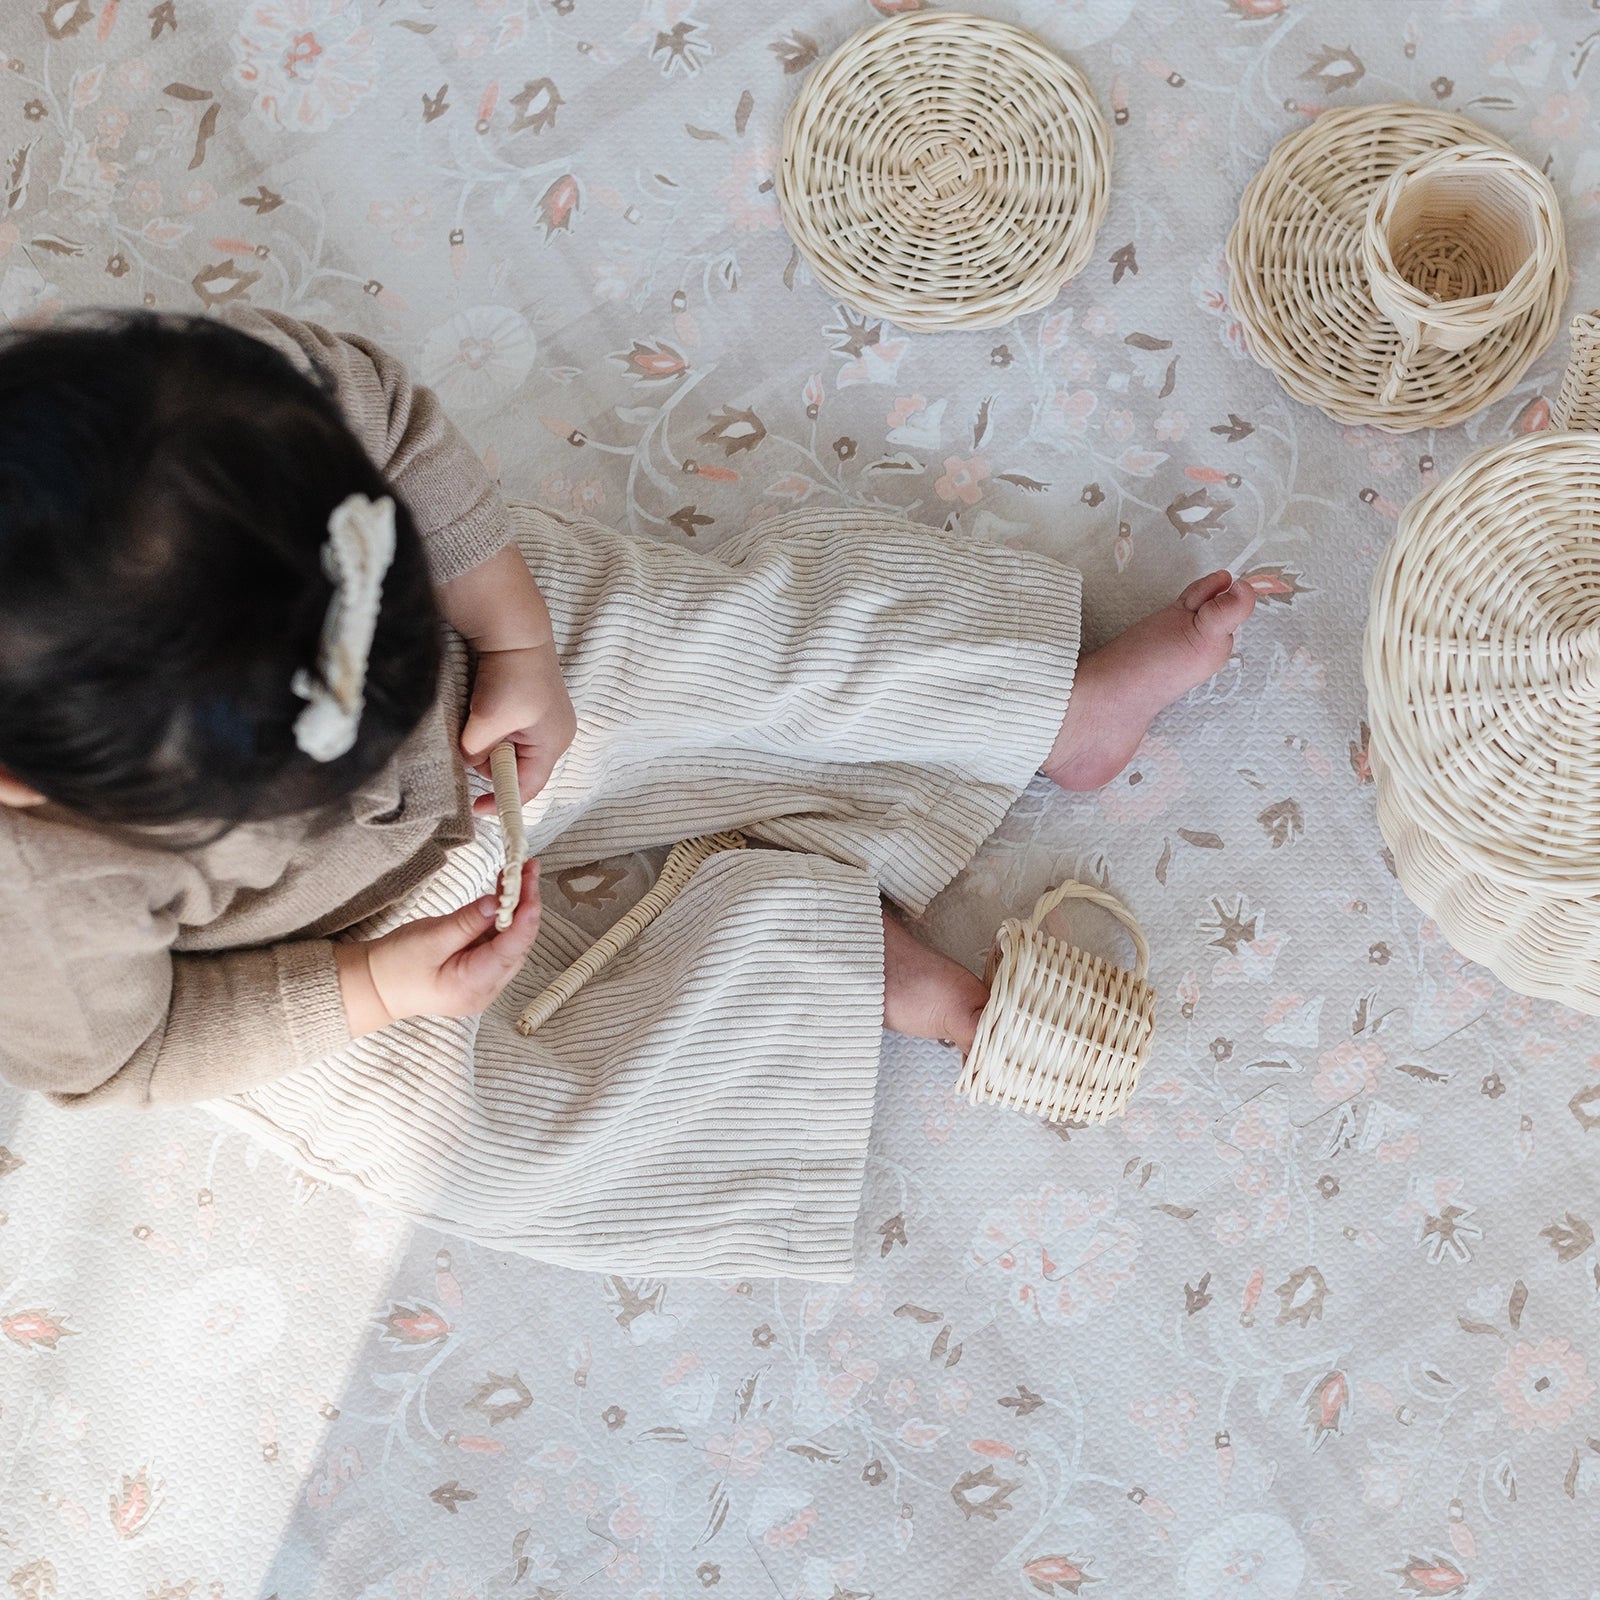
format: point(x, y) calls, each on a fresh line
point(868, 694)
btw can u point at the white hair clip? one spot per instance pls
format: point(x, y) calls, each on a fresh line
point(357, 555)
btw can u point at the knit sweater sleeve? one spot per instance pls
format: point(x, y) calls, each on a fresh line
point(96, 1006)
point(452, 498)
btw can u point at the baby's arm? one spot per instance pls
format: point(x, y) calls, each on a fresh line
point(452, 499)
point(95, 1005)
point(517, 692)
point(485, 589)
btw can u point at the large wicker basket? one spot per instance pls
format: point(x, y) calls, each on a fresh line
point(1482, 664)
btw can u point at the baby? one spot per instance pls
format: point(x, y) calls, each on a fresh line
point(261, 609)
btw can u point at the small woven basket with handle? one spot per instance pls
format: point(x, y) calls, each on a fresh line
point(1482, 663)
point(1065, 1033)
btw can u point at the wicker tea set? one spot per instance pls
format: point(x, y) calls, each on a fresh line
point(1395, 267)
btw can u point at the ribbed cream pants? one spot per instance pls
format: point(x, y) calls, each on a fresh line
point(868, 694)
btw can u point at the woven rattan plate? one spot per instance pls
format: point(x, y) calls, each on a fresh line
point(1299, 286)
point(1482, 663)
point(944, 171)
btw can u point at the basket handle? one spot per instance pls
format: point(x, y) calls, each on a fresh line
point(1578, 405)
point(508, 802)
point(1073, 890)
point(681, 864)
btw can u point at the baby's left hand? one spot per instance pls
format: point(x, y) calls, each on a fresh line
point(518, 695)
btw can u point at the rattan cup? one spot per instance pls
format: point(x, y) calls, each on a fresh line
point(1482, 663)
point(1338, 266)
point(1064, 1033)
point(944, 171)
point(1457, 244)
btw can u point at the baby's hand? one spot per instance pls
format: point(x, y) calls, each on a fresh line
point(451, 966)
point(518, 695)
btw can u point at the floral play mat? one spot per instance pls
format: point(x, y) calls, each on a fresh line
point(1320, 1317)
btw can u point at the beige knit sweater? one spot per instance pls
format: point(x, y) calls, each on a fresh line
point(134, 972)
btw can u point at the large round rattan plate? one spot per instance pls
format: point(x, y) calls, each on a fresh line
point(1298, 284)
point(944, 171)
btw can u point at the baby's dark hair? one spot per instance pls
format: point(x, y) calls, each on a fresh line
point(165, 488)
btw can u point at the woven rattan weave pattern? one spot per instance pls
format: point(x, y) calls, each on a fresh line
point(1300, 281)
point(1064, 1033)
point(944, 171)
point(1482, 664)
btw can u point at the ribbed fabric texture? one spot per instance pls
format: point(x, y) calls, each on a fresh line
point(868, 694)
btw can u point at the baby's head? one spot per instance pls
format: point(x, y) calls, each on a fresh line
point(165, 489)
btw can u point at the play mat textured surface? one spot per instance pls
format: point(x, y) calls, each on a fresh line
point(1320, 1317)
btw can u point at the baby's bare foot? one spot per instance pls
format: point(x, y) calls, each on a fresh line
point(926, 994)
point(1121, 686)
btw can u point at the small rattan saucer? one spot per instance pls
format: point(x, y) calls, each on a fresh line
point(1482, 663)
point(1312, 231)
point(1064, 1033)
point(944, 171)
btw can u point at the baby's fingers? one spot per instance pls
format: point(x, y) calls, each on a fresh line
point(490, 964)
point(535, 763)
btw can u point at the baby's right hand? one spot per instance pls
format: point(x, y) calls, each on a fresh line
point(450, 966)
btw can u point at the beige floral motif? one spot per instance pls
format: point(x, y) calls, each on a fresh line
point(1198, 512)
point(305, 62)
point(656, 362)
point(1332, 70)
point(962, 479)
point(536, 105)
point(1327, 1405)
point(1056, 1575)
point(500, 1398)
point(1449, 1233)
point(1350, 1068)
point(1431, 1575)
point(222, 282)
point(558, 205)
point(63, 18)
point(135, 1503)
point(413, 1324)
point(984, 1493)
point(593, 885)
point(34, 1581)
point(734, 430)
point(1301, 1297)
point(36, 1329)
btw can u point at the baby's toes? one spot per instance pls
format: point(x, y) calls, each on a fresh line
point(1219, 618)
point(1204, 589)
